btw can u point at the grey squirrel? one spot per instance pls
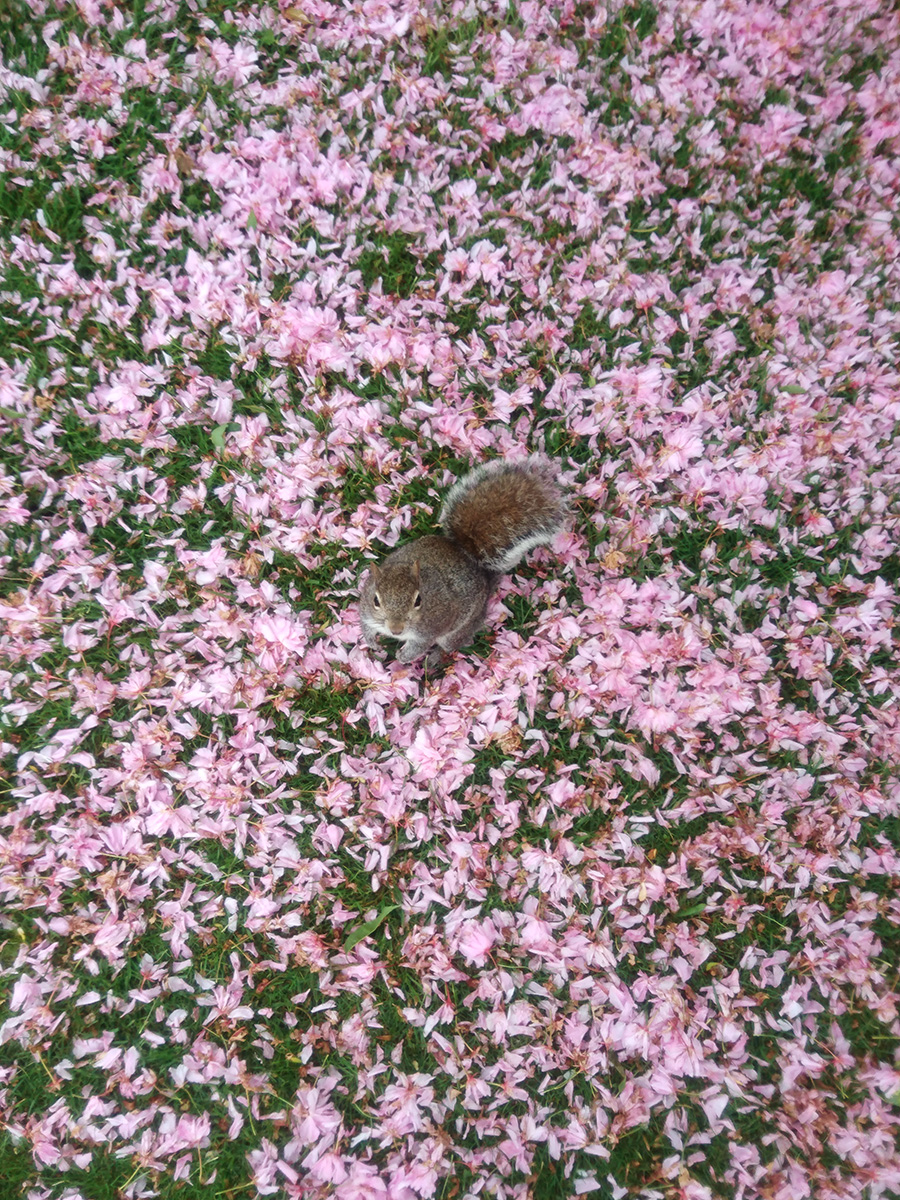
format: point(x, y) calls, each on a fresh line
point(432, 593)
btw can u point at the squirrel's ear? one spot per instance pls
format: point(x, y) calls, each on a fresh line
point(416, 572)
point(374, 571)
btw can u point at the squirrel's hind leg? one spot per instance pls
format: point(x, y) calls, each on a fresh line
point(463, 634)
point(455, 640)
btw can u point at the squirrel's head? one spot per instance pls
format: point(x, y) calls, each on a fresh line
point(392, 598)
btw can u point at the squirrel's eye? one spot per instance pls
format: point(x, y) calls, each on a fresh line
point(376, 602)
point(417, 603)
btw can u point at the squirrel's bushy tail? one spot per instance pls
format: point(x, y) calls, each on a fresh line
point(502, 509)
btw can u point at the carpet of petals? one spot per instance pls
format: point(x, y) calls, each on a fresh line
point(610, 905)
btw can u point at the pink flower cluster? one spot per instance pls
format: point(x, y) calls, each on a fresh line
point(610, 906)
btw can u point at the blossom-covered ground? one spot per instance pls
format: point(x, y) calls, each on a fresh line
point(611, 905)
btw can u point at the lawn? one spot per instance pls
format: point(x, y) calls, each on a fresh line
point(607, 905)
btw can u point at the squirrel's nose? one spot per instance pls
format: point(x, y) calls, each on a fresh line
point(396, 628)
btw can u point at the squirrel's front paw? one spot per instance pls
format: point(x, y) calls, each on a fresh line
point(411, 651)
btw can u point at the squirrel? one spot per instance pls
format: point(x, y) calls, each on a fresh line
point(432, 593)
